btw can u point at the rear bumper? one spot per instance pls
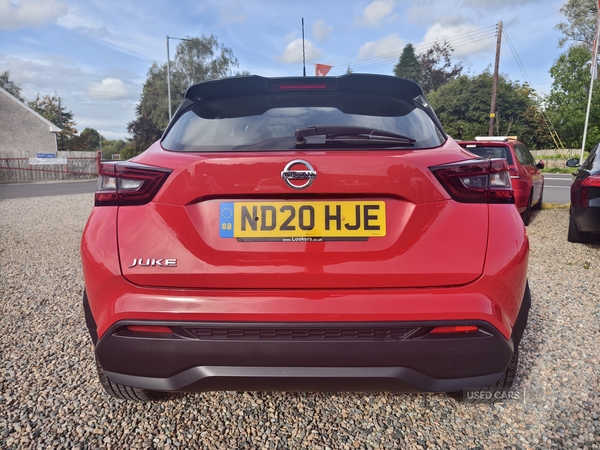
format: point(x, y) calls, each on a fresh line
point(587, 219)
point(304, 356)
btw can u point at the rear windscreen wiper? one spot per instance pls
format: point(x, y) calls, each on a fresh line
point(351, 134)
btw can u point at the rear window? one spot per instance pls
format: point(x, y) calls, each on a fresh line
point(491, 152)
point(268, 122)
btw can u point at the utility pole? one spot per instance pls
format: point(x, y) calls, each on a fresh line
point(495, 83)
point(169, 72)
point(60, 121)
point(594, 69)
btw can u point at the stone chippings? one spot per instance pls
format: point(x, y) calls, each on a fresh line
point(50, 396)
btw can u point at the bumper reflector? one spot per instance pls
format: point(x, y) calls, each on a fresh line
point(456, 329)
point(149, 329)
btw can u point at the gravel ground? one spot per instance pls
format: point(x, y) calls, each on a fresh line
point(51, 398)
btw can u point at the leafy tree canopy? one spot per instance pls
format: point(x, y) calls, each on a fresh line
point(431, 69)
point(580, 26)
point(51, 108)
point(408, 65)
point(463, 106)
point(10, 86)
point(567, 101)
point(436, 68)
point(196, 60)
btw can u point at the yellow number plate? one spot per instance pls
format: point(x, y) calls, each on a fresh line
point(302, 221)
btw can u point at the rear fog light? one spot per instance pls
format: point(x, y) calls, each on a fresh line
point(149, 329)
point(454, 329)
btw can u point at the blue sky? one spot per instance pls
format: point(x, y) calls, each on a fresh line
point(95, 54)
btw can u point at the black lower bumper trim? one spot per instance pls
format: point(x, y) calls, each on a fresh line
point(338, 379)
point(263, 356)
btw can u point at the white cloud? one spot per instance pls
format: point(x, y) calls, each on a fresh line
point(471, 43)
point(109, 89)
point(29, 13)
point(375, 12)
point(321, 30)
point(77, 19)
point(293, 52)
point(383, 47)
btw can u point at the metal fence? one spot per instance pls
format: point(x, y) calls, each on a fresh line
point(21, 167)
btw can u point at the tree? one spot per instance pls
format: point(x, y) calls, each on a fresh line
point(568, 97)
point(10, 86)
point(111, 147)
point(87, 140)
point(200, 59)
point(51, 108)
point(144, 133)
point(408, 65)
point(196, 60)
point(463, 106)
point(436, 68)
point(580, 26)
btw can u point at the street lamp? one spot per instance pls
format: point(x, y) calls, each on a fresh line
point(169, 72)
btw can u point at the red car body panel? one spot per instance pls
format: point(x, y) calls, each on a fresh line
point(112, 298)
point(183, 224)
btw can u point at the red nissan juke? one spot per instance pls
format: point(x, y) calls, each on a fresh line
point(307, 233)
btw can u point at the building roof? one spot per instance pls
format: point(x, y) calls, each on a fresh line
point(53, 128)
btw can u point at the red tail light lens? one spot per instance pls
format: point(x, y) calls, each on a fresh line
point(590, 191)
point(454, 329)
point(123, 184)
point(149, 329)
point(476, 181)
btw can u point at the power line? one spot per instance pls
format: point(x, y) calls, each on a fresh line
point(553, 133)
point(455, 41)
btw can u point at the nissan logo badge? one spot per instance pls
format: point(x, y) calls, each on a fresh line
point(298, 174)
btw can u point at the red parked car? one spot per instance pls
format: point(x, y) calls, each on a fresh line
point(526, 178)
point(305, 234)
point(584, 213)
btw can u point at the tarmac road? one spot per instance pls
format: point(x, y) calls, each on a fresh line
point(24, 190)
point(557, 188)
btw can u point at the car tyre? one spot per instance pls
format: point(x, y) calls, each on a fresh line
point(538, 205)
point(122, 392)
point(526, 216)
point(574, 234)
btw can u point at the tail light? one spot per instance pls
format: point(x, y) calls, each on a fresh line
point(590, 191)
point(476, 181)
point(127, 183)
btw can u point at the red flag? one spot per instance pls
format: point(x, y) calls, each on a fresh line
point(323, 69)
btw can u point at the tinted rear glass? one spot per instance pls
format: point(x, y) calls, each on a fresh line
point(268, 122)
point(491, 152)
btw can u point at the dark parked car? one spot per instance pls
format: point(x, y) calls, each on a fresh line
point(584, 214)
point(305, 233)
point(525, 175)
